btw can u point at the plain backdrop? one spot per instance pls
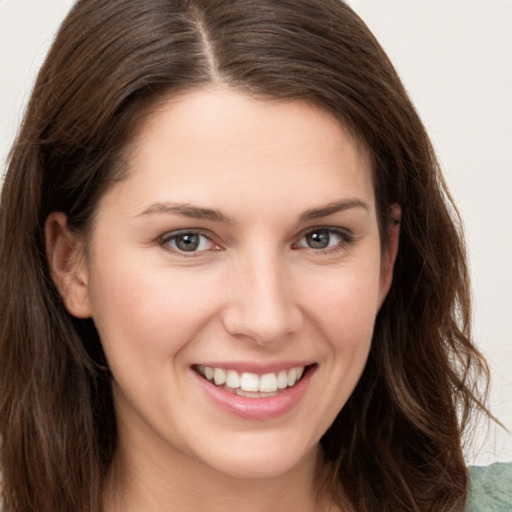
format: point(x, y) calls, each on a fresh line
point(455, 58)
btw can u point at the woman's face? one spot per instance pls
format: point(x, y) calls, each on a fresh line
point(243, 245)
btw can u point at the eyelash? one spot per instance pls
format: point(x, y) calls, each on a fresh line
point(167, 239)
point(345, 236)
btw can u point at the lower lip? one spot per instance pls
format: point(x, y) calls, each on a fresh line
point(257, 408)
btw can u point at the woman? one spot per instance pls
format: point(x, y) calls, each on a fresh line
point(232, 276)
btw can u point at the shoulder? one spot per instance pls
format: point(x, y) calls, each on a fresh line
point(490, 488)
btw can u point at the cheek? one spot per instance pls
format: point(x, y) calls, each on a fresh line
point(345, 305)
point(153, 312)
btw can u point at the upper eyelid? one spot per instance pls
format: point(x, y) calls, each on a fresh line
point(177, 232)
point(333, 229)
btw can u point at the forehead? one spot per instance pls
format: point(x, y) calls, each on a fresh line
point(216, 144)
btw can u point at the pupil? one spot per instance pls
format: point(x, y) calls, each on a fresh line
point(188, 242)
point(318, 239)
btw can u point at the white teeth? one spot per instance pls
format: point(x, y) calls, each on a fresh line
point(233, 379)
point(219, 376)
point(250, 383)
point(282, 379)
point(268, 383)
point(292, 377)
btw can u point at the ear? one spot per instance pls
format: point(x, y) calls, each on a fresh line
point(390, 251)
point(67, 264)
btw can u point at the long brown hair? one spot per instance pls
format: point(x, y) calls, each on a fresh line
point(396, 445)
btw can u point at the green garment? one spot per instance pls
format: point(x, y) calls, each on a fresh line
point(490, 488)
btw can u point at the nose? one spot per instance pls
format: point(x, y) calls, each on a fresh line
point(262, 304)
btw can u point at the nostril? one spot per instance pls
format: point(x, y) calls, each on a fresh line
point(264, 327)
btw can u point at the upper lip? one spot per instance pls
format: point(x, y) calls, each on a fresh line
point(252, 367)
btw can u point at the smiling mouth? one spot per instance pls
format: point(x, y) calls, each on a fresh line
point(252, 385)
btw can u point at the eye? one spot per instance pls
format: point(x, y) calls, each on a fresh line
point(322, 239)
point(188, 242)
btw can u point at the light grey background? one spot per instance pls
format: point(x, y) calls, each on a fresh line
point(455, 59)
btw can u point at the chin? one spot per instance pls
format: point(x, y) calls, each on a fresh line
point(254, 456)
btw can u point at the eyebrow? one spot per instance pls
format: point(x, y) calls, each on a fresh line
point(332, 208)
point(197, 212)
point(188, 210)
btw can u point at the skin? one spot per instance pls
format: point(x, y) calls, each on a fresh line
point(254, 292)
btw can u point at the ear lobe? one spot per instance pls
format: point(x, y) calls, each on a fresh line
point(390, 251)
point(67, 265)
